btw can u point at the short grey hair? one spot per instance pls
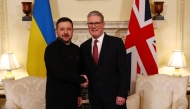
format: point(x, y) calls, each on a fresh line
point(96, 13)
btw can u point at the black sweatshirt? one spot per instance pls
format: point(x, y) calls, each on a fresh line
point(63, 76)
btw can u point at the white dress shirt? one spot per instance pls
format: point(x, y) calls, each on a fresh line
point(99, 44)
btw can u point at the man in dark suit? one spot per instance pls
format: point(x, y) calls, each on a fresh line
point(104, 63)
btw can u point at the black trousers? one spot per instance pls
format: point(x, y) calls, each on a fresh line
point(72, 104)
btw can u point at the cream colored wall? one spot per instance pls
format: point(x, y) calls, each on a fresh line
point(113, 10)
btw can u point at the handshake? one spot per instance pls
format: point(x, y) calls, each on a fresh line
point(85, 84)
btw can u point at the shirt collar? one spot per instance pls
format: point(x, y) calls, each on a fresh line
point(100, 39)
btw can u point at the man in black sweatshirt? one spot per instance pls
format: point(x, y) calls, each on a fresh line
point(62, 59)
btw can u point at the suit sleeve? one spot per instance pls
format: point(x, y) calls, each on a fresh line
point(82, 65)
point(122, 69)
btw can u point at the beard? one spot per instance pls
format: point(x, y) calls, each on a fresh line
point(65, 41)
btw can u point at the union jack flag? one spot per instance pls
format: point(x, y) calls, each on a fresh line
point(140, 42)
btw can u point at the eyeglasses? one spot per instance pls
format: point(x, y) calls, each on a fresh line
point(95, 24)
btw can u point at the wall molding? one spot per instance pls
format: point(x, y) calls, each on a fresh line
point(109, 24)
point(180, 27)
point(180, 24)
point(113, 24)
point(3, 27)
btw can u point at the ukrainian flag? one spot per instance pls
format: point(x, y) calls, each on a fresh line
point(42, 33)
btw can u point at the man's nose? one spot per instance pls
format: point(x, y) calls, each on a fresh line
point(65, 31)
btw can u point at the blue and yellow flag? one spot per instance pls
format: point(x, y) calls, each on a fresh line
point(42, 33)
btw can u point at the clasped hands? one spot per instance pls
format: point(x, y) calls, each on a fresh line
point(86, 83)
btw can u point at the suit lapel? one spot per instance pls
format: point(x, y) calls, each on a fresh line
point(103, 49)
point(89, 52)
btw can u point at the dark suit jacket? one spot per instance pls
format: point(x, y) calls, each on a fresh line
point(109, 78)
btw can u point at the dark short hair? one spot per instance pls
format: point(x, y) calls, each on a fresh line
point(96, 13)
point(64, 19)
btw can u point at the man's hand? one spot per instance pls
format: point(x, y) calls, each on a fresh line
point(120, 100)
point(86, 83)
point(79, 101)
